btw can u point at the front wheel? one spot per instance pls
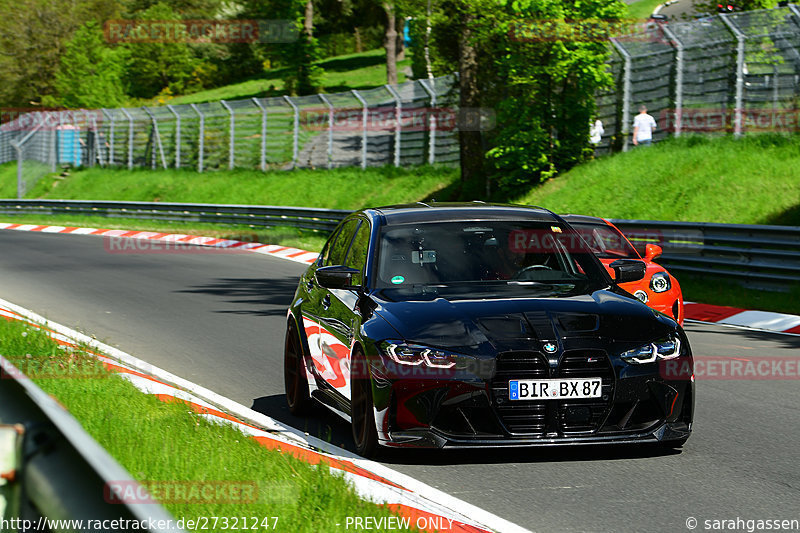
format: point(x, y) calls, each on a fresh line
point(365, 434)
point(294, 375)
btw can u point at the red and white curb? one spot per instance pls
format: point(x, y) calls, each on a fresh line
point(715, 314)
point(284, 252)
point(423, 505)
point(742, 318)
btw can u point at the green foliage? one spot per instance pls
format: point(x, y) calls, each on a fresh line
point(303, 74)
point(538, 76)
point(337, 44)
point(91, 73)
point(153, 66)
point(33, 35)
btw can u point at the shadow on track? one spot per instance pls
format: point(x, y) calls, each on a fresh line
point(256, 296)
point(330, 428)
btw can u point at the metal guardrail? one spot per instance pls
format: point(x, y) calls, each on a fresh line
point(247, 215)
point(763, 256)
point(51, 468)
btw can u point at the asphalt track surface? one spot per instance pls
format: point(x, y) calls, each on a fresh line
point(218, 319)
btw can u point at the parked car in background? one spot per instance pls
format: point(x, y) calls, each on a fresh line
point(658, 289)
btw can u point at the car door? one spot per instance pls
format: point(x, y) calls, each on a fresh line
point(328, 319)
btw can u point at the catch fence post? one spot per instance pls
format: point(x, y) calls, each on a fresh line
point(231, 136)
point(398, 111)
point(431, 120)
point(177, 136)
point(626, 93)
point(330, 128)
point(296, 131)
point(201, 137)
point(364, 113)
point(263, 109)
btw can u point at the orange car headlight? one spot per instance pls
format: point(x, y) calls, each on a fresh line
point(660, 282)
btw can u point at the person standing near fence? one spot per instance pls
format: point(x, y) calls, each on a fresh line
point(643, 127)
point(596, 132)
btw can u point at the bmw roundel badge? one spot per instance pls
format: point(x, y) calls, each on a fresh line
point(549, 347)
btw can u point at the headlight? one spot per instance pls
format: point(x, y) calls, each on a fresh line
point(663, 349)
point(413, 355)
point(660, 282)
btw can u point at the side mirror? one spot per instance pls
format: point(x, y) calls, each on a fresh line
point(651, 251)
point(336, 277)
point(627, 270)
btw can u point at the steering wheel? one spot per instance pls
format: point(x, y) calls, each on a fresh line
point(521, 272)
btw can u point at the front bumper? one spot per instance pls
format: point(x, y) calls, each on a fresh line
point(432, 438)
point(639, 404)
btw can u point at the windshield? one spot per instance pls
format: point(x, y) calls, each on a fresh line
point(483, 253)
point(605, 241)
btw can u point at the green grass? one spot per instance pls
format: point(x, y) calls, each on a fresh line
point(720, 291)
point(753, 180)
point(642, 9)
point(364, 70)
point(167, 442)
point(8, 180)
point(346, 188)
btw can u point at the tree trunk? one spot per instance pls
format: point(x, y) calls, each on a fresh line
point(428, 67)
point(401, 44)
point(359, 45)
point(390, 44)
point(470, 144)
point(308, 21)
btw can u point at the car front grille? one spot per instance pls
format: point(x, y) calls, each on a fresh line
point(532, 418)
point(525, 417)
point(586, 415)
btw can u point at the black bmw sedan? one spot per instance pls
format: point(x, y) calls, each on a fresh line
point(478, 325)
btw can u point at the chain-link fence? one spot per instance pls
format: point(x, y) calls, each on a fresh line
point(409, 124)
point(730, 73)
point(30, 140)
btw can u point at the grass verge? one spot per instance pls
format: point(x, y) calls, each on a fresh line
point(718, 291)
point(363, 70)
point(343, 188)
point(752, 180)
point(168, 443)
point(642, 9)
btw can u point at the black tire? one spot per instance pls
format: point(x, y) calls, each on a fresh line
point(294, 375)
point(365, 434)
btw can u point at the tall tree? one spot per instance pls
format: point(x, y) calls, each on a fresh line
point(155, 66)
point(470, 139)
point(540, 86)
point(33, 34)
point(91, 73)
point(390, 42)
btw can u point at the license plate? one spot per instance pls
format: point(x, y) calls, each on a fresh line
point(554, 389)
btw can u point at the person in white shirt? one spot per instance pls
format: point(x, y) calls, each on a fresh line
point(643, 126)
point(596, 132)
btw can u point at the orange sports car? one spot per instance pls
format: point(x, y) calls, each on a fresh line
point(658, 288)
